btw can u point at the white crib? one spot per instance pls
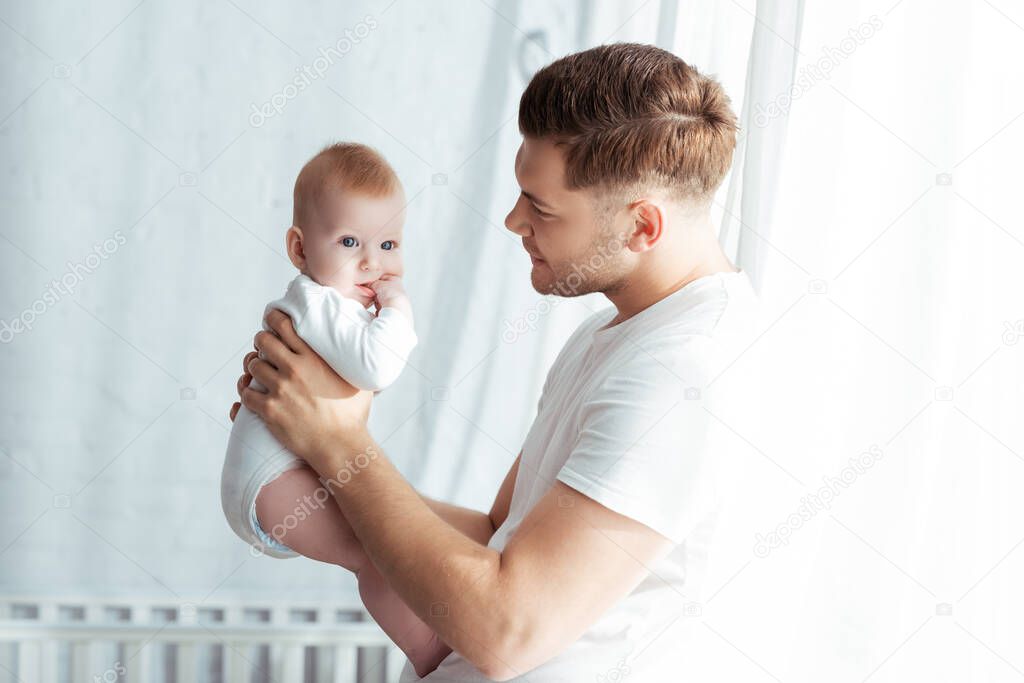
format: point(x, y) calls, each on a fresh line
point(58, 640)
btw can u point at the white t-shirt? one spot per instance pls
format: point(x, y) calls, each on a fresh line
point(622, 419)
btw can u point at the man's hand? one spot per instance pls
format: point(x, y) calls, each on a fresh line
point(241, 384)
point(307, 406)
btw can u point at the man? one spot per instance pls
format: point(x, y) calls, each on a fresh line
point(597, 537)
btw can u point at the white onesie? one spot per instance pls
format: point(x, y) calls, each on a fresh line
point(367, 351)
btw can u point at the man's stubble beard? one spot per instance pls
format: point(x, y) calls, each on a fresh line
point(578, 275)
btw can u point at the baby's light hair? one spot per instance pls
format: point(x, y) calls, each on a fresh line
point(344, 167)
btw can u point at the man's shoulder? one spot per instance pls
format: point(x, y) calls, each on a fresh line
point(687, 340)
point(693, 341)
point(708, 315)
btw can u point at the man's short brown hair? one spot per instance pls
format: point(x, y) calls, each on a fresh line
point(344, 167)
point(633, 117)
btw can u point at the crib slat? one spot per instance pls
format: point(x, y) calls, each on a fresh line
point(323, 672)
point(141, 664)
point(29, 655)
point(395, 663)
point(186, 662)
point(236, 668)
point(47, 648)
point(48, 660)
point(7, 659)
point(287, 662)
point(346, 663)
point(7, 650)
point(140, 660)
point(81, 661)
point(92, 660)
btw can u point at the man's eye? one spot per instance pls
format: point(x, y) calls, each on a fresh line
point(388, 245)
point(543, 214)
point(349, 241)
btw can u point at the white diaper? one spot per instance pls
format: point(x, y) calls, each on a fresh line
point(254, 459)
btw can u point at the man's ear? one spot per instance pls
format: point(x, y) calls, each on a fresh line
point(293, 245)
point(648, 225)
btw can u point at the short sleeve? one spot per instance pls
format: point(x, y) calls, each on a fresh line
point(643, 446)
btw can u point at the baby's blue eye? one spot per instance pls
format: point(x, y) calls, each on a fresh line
point(387, 245)
point(348, 241)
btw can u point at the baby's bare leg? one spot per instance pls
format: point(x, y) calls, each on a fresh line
point(297, 510)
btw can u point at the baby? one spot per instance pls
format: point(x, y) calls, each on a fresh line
point(346, 242)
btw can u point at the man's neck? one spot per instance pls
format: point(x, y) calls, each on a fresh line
point(649, 286)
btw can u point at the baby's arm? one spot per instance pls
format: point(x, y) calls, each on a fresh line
point(369, 356)
point(391, 294)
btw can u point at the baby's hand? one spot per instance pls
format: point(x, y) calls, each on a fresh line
point(391, 294)
point(388, 289)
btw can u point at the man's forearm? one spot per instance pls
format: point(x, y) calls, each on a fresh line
point(473, 523)
point(449, 578)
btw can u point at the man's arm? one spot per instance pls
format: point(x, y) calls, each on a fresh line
point(505, 612)
point(571, 560)
point(472, 523)
point(502, 502)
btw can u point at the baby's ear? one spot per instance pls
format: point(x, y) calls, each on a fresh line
point(293, 245)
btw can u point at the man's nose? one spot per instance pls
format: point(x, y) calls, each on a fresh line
point(516, 221)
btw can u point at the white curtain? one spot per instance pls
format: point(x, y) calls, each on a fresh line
point(886, 240)
point(753, 185)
